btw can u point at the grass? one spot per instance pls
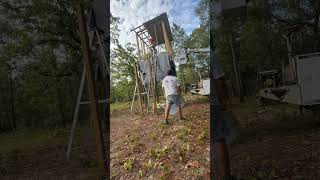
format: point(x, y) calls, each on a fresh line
point(27, 139)
point(183, 132)
point(118, 106)
point(30, 139)
point(202, 136)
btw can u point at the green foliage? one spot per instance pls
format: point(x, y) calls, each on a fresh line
point(35, 31)
point(202, 136)
point(260, 44)
point(122, 72)
point(179, 37)
point(191, 75)
point(128, 164)
point(41, 62)
point(118, 106)
point(148, 165)
point(140, 173)
point(202, 11)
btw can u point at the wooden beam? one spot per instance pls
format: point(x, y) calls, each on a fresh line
point(142, 47)
point(142, 31)
point(138, 46)
point(75, 115)
point(136, 27)
point(142, 39)
point(166, 39)
point(138, 89)
point(93, 96)
point(155, 94)
point(155, 31)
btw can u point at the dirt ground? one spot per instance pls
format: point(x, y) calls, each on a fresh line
point(48, 160)
point(144, 148)
point(274, 143)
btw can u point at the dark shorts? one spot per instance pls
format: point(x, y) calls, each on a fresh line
point(173, 99)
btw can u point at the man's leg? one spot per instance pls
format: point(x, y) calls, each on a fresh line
point(222, 160)
point(219, 148)
point(167, 112)
point(180, 112)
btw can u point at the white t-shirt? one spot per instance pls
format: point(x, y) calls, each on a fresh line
point(170, 85)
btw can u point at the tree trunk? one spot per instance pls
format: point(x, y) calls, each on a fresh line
point(13, 114)
point(60, 103)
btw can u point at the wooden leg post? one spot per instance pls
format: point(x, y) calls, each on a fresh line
point(95, 110)
point(166, 39)
point(138, 89)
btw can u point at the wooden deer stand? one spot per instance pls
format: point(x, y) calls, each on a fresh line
point(93, 45)
point(152, 37)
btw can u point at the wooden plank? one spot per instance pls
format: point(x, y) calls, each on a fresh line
point(136, 27)
point(102, 50)
point(154, 85)
point(138, 89)
point(166, 39)
point(95, 110)
point(142, 47)
point(75, 115)
point(155, 31)
point(134, 95)
point(142, 39)
point(138, 45)
point(142, 31)
point(102, 101)
point(151, 85)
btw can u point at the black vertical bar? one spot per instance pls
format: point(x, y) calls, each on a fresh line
point(107, 129)
point(213, 98)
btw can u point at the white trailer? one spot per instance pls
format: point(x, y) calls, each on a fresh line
point(304, 90)
point(298, 83)
point(203, 87)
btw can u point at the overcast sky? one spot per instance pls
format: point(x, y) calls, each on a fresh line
point(133, 13)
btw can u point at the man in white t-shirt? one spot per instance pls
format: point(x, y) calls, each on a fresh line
point(171, 87)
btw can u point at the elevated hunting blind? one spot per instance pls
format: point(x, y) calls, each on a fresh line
point(154, 39)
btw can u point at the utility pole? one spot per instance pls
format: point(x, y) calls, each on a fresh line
point(93, 96)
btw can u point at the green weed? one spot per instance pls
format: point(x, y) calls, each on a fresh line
point(202, 136)
point(127, 164)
